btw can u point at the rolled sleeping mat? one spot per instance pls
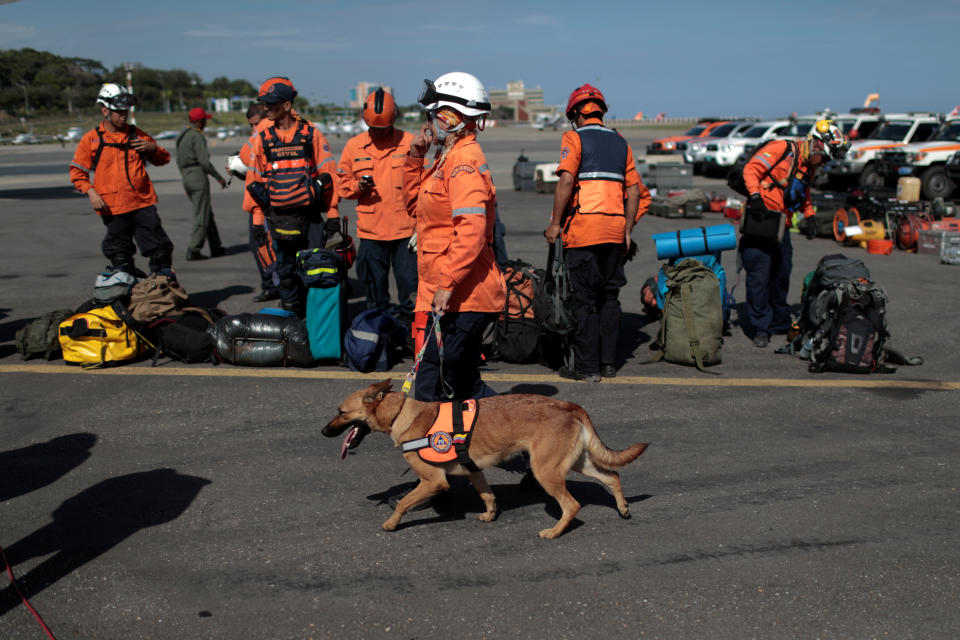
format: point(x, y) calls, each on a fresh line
point(261, 340)
point(695, 242)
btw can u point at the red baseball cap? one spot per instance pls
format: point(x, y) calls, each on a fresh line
point(197, 113)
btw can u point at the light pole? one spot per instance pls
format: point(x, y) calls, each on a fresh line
point(26, 95)
point(129, 69)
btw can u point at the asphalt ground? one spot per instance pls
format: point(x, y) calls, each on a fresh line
point(202, 502)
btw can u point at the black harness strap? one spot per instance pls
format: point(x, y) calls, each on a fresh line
point(124, 146)
point(462, 447)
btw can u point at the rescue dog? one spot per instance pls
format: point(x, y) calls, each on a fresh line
point(558, 436)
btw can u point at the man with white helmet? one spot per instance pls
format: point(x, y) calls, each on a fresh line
point(371, 172)
point(121, 192)
point(778, 179)
point(455, 205)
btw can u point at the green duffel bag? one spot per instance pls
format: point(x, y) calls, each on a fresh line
point(41, 338)
point(691, 328)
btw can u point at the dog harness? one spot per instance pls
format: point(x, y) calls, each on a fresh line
point(448, 440)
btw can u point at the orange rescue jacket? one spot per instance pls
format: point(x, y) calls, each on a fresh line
point(381, 213)
point(763, 174)
point(602, 165)
point(456, 208)
point(119, 173)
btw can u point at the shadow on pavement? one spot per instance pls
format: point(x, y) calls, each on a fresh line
point(38, 465)
point(40, 193)
point(96, 520)
point(214, 297)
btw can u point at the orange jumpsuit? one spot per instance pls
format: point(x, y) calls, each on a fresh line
point(771, 184)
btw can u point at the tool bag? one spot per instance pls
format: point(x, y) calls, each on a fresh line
point(261, 340)
point(517, 330)
point(371, 338)
point(691, 329)
point(40, 338)
point(100, 337)
point(156, 296)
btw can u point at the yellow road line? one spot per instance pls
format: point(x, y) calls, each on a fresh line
point(528, 378)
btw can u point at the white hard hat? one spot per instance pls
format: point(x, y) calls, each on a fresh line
point(115, 97)
point(236, 167)
point(459, 90)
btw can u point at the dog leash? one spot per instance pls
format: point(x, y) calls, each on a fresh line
point(433, 328)
point(23, 598)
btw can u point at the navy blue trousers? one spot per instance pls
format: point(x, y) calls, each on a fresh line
point(596, 275)
point(462, 338)
point(768, 269)
point(374, 258)
point(144, 226)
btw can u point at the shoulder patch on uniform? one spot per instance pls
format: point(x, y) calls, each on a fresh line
point(326, 148)
point(463, 168)
point(564, 152)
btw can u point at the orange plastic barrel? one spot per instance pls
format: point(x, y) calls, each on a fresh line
point(880, 247)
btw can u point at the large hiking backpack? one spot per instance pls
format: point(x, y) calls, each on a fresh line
point(658, 286)
point(843, 317)
point(319, 267)
point(691, 330)
point(41, 337)
point(368, 343)
point(518, 329)
point(155, 297)
point(100, 337)
point(184, 337)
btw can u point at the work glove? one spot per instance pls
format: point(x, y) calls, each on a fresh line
point(412, 243)
point(331, 226)
point(332, 233)
point(755, 207)
point(260, 234)
point(630, 253)
point(809, 227)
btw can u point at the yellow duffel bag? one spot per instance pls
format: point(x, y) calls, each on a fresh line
point(98, 338)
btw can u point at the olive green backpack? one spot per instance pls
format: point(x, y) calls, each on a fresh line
point(691, 329)
point(40, 338)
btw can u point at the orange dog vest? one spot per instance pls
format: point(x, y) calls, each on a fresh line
point(448, 440)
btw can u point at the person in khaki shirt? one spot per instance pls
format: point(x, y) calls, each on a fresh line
point(193, 159)
point(371, 172)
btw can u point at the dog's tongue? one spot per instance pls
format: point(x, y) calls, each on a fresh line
point(347, 439)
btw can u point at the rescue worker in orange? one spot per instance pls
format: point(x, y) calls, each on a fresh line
point(371, 172)
point(455, 207)
point(596, 203)
point(258, 239)
point(778, 179)
point(122, 193)
point(293, 185)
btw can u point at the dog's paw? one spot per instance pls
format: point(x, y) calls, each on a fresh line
point(625, 514)
point(389, 525)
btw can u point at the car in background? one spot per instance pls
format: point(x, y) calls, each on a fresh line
point(925, 160)
point(723, 153)
point(24, 138)
point(697, 148)
point(953, 168)
point(897, 130)
point(677, 144)
point(73, 134)
point(166, 135)
point(858, 123)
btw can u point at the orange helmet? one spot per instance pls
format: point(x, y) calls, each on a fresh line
point(380, 109)
point(580, 95)
point(276, 89)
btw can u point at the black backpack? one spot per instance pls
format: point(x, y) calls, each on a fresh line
point(185, 337)
point(854, 342)
point(735, 175)
point(517, 336)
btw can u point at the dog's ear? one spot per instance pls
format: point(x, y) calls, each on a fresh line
point(376, 392)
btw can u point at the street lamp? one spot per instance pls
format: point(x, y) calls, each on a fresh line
point(128, 66)
point(26, 95)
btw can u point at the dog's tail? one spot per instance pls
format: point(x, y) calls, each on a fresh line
point(600, 454)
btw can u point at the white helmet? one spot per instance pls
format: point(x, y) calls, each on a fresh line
point(458, 90)
point(115, 97)
point(236, 167)
point(828, 134)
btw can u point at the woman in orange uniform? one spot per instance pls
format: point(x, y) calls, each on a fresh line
point(455, 207)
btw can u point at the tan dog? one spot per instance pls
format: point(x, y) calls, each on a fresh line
point(558, 436)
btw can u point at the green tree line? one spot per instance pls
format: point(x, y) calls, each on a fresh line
point(38, 82)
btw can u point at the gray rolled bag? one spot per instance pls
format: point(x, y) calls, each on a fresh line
point(261, 340)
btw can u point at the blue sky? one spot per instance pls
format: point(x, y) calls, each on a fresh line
point(765, 58)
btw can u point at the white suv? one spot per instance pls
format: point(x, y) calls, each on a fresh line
point(723, 153)
point(697, 148)
point(896, 131)
point(927, 160)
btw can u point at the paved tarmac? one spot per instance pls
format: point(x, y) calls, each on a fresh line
point(202, 502)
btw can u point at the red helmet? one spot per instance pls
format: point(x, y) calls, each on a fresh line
point(380, 109)
point(585, 93)
point(276, 89)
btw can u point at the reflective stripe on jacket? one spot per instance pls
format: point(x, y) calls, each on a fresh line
point(456, 209)
point(381, 212)
point(110, 176)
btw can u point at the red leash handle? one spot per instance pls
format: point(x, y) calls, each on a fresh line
point(23, 598)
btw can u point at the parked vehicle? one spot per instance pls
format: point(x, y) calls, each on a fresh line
point(24, 138)
point(925, 160)
point(896, 131)
point(953, 168)
point(723, 153)
point(697, 148)
point(677, 144)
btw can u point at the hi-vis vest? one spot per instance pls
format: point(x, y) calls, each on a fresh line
point(291, 172)
point(603, 164)
point(448, 440)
